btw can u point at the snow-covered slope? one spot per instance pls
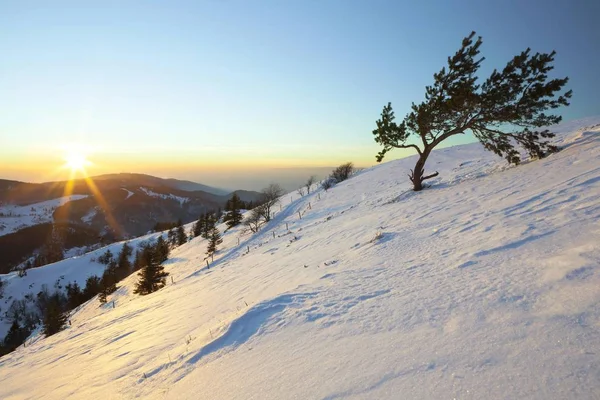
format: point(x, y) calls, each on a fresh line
point(57, 275)
point(486, 285)
point(13, 217)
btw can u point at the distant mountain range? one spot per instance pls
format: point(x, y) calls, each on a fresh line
point(114, 206)
point(149, 180)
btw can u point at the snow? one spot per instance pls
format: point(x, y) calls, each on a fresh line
point(129, 193)
point(484, 286)
point(89, 216)
point(14, 218)
point(150, 193)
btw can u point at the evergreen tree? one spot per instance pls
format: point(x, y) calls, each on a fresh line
point(233, 216)
point(108, 282)
point(15, 337)
point(106, 257)
point(208, 224)
point(54, 318)
point(161, 251)
point(181, 236)
point(92, 287)
point(227, 213)
point(52, 251)
point(172, 237)
point(214, 240)
point(123, 263)
point(153, 276)
point(74, 295)
point(138, 262)
point(508, 108)
point(198, 227)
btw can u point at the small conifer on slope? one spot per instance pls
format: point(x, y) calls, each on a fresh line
point(213, 241)
point(153, 276)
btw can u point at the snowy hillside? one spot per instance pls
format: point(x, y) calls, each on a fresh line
point(75, 269)
point(485, 286)
point(13, 217)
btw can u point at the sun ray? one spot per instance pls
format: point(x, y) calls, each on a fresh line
point(112, 222)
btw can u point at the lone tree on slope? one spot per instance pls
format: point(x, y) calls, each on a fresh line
point(152, 276)
point(505, 110)
point(214, 240)
point(270, 197)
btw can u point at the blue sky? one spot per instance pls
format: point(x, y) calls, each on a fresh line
point(185, 88)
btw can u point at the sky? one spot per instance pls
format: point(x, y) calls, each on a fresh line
point(218, 90)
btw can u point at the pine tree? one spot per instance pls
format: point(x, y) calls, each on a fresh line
point(172, 238)
point(227, 211)
point(208, 224)
point(54, 318)
point(52, 251)
point(138, 262)
point(108, 282)
point(214, 240)
point(16, 336)
point(92, 287)
point(508, 108)
point(106, 257)
point(161, 250)
point(153, 276)
point(234, 216)
point(74, 295)
point(123, 263)
point(198, 227)
point(181, 236)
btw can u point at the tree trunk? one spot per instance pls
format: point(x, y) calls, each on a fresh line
point(417, 175)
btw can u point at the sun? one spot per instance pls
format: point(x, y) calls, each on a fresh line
point(75, 159)
point(76, 162)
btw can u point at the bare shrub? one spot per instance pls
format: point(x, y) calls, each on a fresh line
point(270, 197)
point(342, 172)
point(309, 182)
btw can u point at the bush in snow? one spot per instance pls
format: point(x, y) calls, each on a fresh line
point(254, 219)
point(343, 172)
point(328, 183)
point(270, 197)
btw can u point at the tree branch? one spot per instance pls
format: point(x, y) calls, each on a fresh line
point(408, 146)
point(430, 176)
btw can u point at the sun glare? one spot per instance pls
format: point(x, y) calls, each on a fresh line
point(76, 160)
